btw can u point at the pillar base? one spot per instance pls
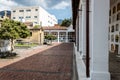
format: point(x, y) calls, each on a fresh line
point(100, 76)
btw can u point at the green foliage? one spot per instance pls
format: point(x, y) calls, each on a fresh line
point(36, 26)
point(11, 29)
point(50, 37)
point(66, 22)
point(25, 45)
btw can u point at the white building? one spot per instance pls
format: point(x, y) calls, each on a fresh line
point(35, 14)
point(63, 34)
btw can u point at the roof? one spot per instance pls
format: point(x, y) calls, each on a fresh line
point(56, 27)
point(75, 7)
point(28, 23)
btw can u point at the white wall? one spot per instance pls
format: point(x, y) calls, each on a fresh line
point(43, 17)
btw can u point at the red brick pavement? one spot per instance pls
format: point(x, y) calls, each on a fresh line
point(25, 53)
point(54, 63)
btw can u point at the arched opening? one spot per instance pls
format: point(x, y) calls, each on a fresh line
point(112, 29)
point(112, 38)
point(116, 38)
point(117, 27)
point(114, 10)
point(118, 16)
point(118, 7)
point(112, 47)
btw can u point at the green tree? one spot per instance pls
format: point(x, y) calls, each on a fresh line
point(37, 26)
point(50, 37)
point(66, 22)
point(11, 30)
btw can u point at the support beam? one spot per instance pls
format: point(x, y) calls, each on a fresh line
point(99, 40)
point(66, 37)
point(80, 31)
point(58, 37)
point(87, 40)
point(83, 29)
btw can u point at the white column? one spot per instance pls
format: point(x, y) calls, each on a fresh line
point(99, 40)
point(80, 31)
point(77, 33)
point(76, 38)
point(66, 36)
point(83, 31)
point(58, 37)
point(49, 31)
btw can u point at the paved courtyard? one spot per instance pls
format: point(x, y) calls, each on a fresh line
point(54, 63)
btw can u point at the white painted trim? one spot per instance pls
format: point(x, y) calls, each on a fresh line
point(81, 69)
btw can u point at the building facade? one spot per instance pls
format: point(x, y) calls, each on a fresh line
point(114, 27)
point(5, 14)
point(35, 14)
point(63, 34)
point(91, 21)
point(36, 34)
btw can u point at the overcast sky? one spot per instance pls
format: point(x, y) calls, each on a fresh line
point(60, 8)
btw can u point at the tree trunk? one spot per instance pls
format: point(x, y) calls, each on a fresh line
point(12, 45)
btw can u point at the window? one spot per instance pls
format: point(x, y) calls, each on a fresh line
point(110, 13)
point(28, 10)
point(112, 47)
point(118, 16)
point(46, 33)
point(30, 33)
point(113, 18)
point(109, 20)
point(118, 7)
point(114, 9)
point(35, 16)
point(20, 17)
point(36, 9)
point(28, 16)
point(21, 10)
point(112, 29)
point(109, 29)
point(13, 17)
point(108, 36)
point(35, 22)
point(117, 27)
point(112, 38)
point(14, 11)
point(116, 38)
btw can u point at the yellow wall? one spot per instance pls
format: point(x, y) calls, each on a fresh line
point(37, 36)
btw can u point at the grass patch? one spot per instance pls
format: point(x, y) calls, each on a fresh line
point(25, 45)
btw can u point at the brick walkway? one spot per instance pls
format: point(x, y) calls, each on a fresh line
point(54, 63)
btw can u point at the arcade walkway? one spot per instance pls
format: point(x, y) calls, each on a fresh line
point(52, 64)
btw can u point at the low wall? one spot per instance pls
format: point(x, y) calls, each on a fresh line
point(79, 70)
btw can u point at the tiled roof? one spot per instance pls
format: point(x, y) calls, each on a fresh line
point(56, 27)
point(28, 23)
point(36, 28)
